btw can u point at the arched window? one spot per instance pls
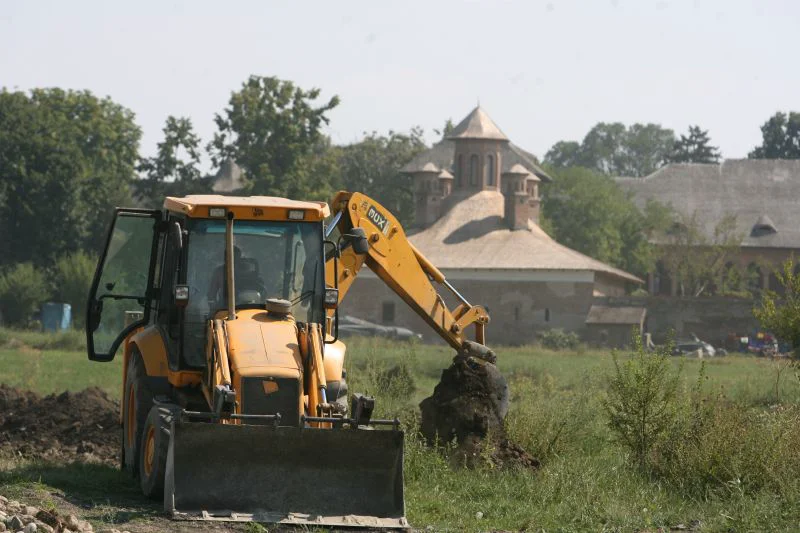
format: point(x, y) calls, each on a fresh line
point(489, 170)
point(473, 169)
point(460, 170)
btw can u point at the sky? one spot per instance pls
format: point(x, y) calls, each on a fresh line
point(544, 71)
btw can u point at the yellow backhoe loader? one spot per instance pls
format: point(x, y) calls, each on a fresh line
point(235, 402)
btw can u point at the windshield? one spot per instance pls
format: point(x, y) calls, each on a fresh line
point(271, 260)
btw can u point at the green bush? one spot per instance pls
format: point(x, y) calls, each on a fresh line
point(727, 449)
point(558, 339)
point(72, 277)
point(22, 291)
point(642, 402)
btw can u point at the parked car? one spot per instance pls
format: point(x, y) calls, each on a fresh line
point(350, 325)
point(694, 346)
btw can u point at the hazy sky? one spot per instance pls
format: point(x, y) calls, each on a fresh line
point(545, 71)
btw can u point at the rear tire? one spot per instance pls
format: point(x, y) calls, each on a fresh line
point(153, 451)
point(138, 401)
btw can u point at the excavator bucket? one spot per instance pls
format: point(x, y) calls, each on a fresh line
point(287, 475)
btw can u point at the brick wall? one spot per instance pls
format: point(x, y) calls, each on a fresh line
point(518, 309)
point(711, 319)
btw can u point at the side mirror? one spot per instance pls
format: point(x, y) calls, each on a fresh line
point(176, 236)
point(358, 240)
point(181, 295)
point(331, 298)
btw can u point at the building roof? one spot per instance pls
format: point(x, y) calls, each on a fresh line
point(759, 192)
point(249, 207)
point(477, 125)
point(601, 314)
point(473, 234)
point(442, 154)
point(518, 170)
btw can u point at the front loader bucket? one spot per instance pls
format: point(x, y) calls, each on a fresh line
point(321, 477)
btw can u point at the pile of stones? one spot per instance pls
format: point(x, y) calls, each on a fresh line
point(17, 517)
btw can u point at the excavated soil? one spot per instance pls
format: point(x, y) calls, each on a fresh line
point(82, 426)
point(469, 406)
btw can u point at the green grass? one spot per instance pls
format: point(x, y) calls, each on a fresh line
point(46, 372)
point(587, 482)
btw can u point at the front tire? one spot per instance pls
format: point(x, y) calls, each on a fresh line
point(153, 451)
point(138, 402)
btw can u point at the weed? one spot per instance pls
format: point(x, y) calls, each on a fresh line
point(641, 402)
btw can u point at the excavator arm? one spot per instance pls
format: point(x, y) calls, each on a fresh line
point(392, 257)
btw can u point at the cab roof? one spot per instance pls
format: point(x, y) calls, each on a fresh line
point(246, 207)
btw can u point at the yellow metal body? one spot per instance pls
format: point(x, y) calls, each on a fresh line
point(402, 267)
point(259, 344)
point(246, 207)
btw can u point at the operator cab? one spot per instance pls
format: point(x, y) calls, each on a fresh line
point(167, 269)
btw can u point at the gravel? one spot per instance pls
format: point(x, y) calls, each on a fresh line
point(20, 518)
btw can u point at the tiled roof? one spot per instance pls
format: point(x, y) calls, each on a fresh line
point(601, 314)
point(477, 125)
point(759, 192)
point(473, 234)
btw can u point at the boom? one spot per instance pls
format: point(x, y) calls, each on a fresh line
point(396, 261)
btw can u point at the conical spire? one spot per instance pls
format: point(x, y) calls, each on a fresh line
point(477, 125)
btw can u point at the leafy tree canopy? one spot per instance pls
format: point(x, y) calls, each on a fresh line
point(782, 315)
point(174, 170)
point(373, 164)
point(588, 212)
point(780, 138)
point(697, 261)
point(694, 148)
point(271, 128)
point(66, 159)
point(616, 150)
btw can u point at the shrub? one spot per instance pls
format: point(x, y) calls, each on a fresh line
point(22, 291)
point(642, 399)
point(72, 278)
point(727, 449)
point(558, 339)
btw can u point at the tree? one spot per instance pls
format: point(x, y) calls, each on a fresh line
point(696, 261)
point(564, 154)
point(72, 277)
point(271, 128)
point(588, 212)
point(447, 129)
point(614, 150)
point(780, 138)
point(66, 159)
point(373, 164)
point(22, 291)
point(781, 315)
point(694, 148)
point(174, 170)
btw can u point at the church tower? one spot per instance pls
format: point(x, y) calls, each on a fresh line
point(479, 147)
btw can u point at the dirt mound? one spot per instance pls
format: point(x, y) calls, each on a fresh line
point(469, 406)
point(65, 427)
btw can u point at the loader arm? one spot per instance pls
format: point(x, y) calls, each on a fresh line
point(396, 261)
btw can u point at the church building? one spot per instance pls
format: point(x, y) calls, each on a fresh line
point(477, 219)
